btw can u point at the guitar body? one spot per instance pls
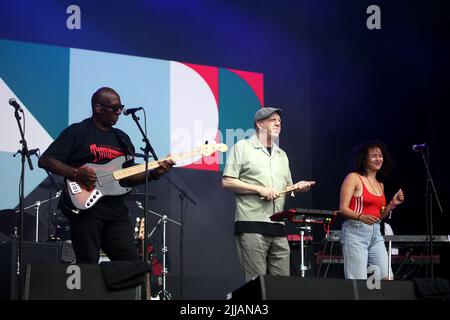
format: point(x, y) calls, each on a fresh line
point(84, 198)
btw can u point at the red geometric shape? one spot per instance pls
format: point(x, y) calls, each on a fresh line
point(254, 80)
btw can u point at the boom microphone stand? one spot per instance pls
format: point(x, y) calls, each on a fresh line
point(429, 199)
point(183, 207)
point(148, 149)
point(51, 225)
point(24, 152)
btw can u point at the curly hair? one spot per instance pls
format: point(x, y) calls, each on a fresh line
point(359, 158)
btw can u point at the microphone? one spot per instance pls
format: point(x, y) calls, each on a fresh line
point(418, 147)
point(14, 103)
point(126, 112)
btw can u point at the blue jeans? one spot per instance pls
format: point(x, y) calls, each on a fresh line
point(363, 246)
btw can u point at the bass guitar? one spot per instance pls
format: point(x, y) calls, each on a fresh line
point(111, 173)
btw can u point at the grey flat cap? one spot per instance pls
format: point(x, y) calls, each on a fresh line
point(265, 112)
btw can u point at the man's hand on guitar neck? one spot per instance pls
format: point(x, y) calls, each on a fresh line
point(164, 166)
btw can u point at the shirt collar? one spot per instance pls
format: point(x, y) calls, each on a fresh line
point(258, 145)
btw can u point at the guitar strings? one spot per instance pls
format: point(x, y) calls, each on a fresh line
point(110, 177)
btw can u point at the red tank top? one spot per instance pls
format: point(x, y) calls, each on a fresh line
point(368, 203)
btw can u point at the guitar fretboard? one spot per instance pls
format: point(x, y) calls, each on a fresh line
point(131, 171)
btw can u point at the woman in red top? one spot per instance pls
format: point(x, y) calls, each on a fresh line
point(363, 204)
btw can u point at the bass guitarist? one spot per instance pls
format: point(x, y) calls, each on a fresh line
point(106, 224)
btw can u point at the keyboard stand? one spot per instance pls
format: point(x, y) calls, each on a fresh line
point(303, 268)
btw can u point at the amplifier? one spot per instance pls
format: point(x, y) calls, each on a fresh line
point(42, 253)
point(72, 282)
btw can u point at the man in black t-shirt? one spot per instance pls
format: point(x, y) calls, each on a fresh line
point(106, 225)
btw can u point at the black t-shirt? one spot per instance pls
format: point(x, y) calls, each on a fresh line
point(83, 143)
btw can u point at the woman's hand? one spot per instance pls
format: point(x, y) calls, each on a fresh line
point(398, 198)
point(368, 219)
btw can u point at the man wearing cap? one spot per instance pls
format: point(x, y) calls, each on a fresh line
point(257, 171)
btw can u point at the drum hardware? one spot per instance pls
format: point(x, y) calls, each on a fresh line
point(37, 206)
point(163, 294)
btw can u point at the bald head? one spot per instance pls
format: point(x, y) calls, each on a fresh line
point(101, 94)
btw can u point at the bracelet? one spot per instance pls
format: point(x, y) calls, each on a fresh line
point(392, 205)
point(359, 215)
point(75, 175)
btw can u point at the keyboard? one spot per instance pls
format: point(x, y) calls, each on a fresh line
point(410, 259)
point(335, 235)
point(417, 238)
point(300, 215)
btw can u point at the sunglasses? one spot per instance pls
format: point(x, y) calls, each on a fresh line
point(115, 108)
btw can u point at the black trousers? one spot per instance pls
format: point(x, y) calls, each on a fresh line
point(89, 235)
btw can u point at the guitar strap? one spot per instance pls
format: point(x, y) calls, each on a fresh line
point(126, 144)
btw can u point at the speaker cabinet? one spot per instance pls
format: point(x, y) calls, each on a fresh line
point(294, 288)
point(72, 282)
point(42, 253)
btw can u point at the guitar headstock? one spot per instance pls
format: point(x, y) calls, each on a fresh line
point(209, 149)
point(139, 230)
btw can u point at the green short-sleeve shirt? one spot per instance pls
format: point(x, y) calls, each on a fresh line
point(249, 161)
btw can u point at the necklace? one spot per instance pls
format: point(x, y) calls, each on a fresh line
point(379, 189)
point(381, 204)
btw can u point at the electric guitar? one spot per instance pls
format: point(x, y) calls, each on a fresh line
point(110, 174)
point(139, 235)
point(140, 227)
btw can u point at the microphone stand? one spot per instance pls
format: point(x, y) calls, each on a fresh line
point(429, 206)
point(148, 149)
point(25, 154)
point(183, 195)
point(51, 224)
point(51, 229)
